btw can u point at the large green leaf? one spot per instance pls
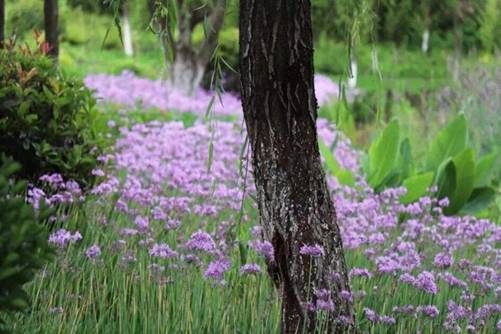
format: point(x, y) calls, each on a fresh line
point(479, 200)
point(417, 186)
point(448, 143)
point(383, 154)
point(343, 176)
point(405, 161)
point(484, 169)
point(446, 180)
point(465, 180)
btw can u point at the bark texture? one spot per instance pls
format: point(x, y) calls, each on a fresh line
point(280, 111)
point(51, 18)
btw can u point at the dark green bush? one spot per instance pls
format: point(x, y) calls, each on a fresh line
point(23, 243)
point(45, 119)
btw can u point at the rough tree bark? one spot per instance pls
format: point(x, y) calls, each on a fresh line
point(51, 18)
point(280, 111)
point(189, 62)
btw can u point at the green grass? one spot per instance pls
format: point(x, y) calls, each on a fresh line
point(106, 296)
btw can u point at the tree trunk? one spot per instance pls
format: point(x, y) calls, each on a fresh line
point(127, 34)
point(425, 41)
point(51, 27)
point(2, 23)
point(353, 74)
point(280, 111)
point(186, 73)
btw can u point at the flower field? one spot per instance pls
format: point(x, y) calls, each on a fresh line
point(168, 240)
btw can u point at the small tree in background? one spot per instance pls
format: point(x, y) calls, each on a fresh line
point(175, 21)
point(51, 17)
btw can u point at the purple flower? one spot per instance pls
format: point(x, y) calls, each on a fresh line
point(428, 310)
point(98, 172)
point(387, 320)
point(251, 268)
point(312, 250)
point(129, 231)
point(264, 248)
point(443, 260)
point(324, 301)
point(452, 280)
point(426, 282)
point(162, 251)
point(201, 241)
point(407, 278)
point(325, 305)
point(217, 268)
point(142, 223)
point(360, 272)
point(347, 295)
point(93, 252)
point(54, 180)
point(371, 315)
point(61, 238)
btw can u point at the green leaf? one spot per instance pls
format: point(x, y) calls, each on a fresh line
point(416, 187)
point(343, 176)
point(484, 169)
point(447, 180)
point(448, 143)
point(479, 200)
point(211, 156)
point(383, 154)
point(405, 161)
point(465, 180)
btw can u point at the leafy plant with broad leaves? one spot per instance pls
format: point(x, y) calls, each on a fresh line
point(45, 119)
point(23, 243)
point(450, 164)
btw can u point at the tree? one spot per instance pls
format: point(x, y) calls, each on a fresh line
point(2, 22)
point(127, 31)
point(296, 210)
point(51, 17)
point(186, 61)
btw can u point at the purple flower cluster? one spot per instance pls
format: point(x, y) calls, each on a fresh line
point(312, 250)
point(250, 268)
point(130, 91)
point(62, 238)
point(167, 193)
point(93, 252)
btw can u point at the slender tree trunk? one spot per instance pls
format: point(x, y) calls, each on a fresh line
point(2, 22)
point(425, 41)
point(127, 33)
point(51, 17)
point(280, 111)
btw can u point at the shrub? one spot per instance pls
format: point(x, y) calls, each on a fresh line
point(45, 118)
point(23, 243)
